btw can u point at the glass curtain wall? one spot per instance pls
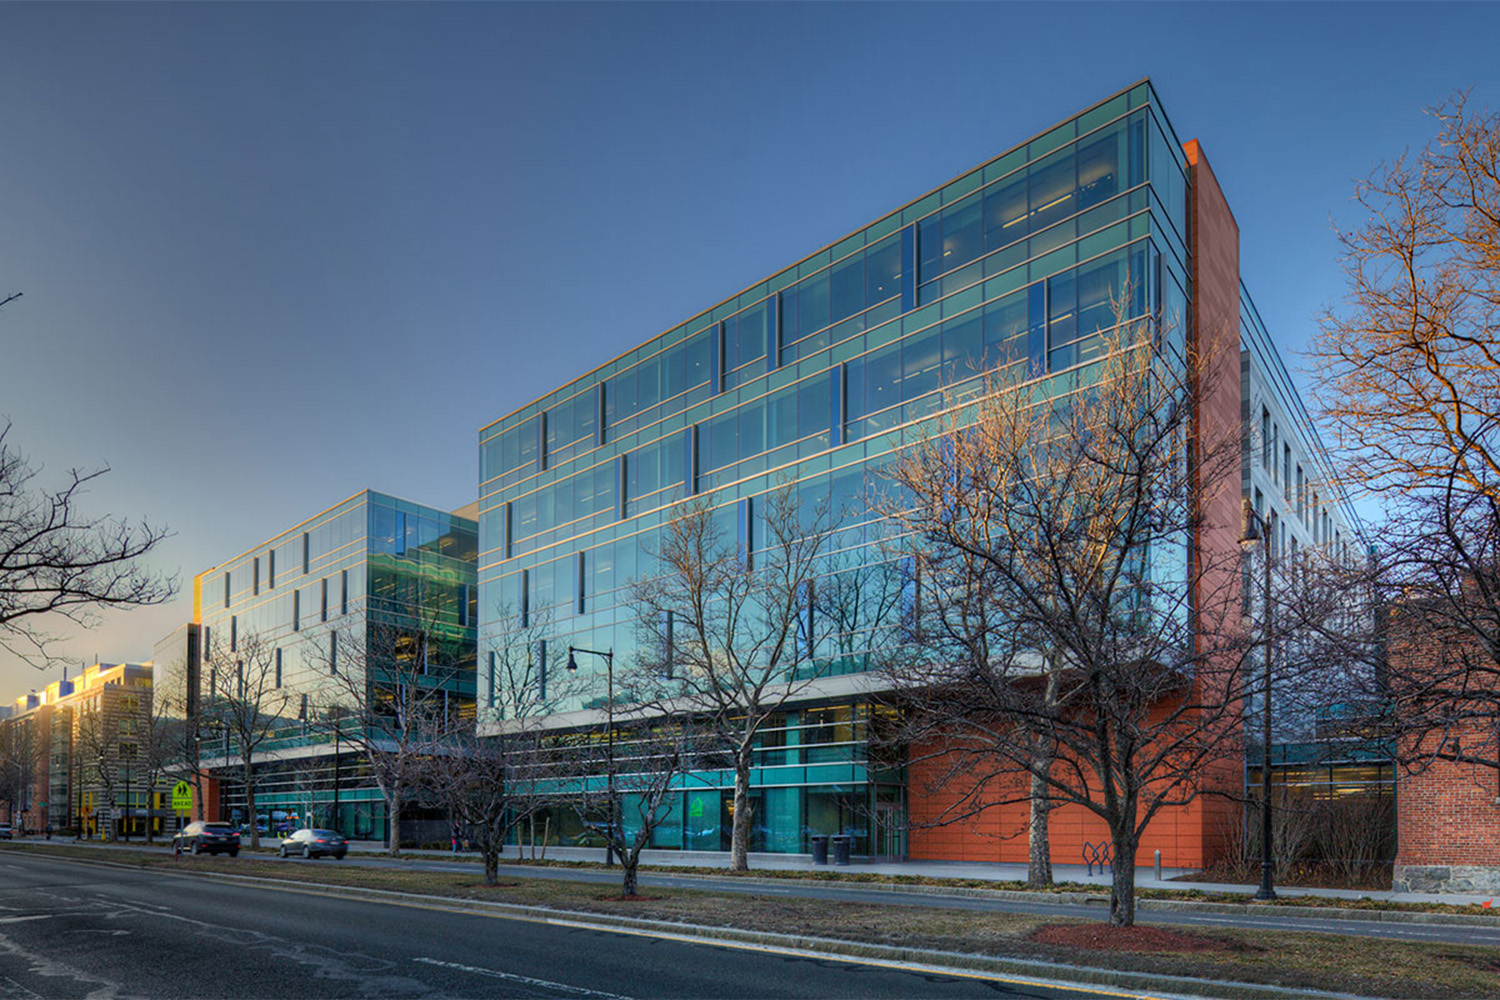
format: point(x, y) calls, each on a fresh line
point(815, 377)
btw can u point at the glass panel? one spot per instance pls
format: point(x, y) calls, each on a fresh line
point(1005, 213)
point(1062, 307)
point(883, 270)
point(921, 358)
point(963, 349)
point(963, 233)
point(883, 378)
point(1099, 162)
point(1051, 188)
point(847, 287)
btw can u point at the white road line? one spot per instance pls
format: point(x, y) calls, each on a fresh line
point(512, 977)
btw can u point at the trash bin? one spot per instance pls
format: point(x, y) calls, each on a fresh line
point(820, 850)
point(841, 849)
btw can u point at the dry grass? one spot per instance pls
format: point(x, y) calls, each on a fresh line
point(1284, 958)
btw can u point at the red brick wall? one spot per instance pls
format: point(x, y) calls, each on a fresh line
point(1446, 814)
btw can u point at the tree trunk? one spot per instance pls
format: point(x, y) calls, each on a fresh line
point(739, 844)
point(1039, 858)
point(491, 863)
point(1039, 847)
point(249, 773)
point(628, 883)
point(393, 822)
point(1122, 889)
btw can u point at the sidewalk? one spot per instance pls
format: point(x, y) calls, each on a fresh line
point(1145, 876)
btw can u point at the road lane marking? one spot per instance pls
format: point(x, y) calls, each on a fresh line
point(22, 920)
point(528, 980)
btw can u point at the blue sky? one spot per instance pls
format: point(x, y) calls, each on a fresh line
point(273, 254)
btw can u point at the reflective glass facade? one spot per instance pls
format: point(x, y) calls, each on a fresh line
point(372, 559)
point(816, 376)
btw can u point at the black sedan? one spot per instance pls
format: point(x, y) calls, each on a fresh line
point(315, 843)
point(208, 838)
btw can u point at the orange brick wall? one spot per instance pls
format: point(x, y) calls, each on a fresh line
point(1190, 836)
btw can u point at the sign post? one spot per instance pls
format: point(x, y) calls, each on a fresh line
point(182, 804)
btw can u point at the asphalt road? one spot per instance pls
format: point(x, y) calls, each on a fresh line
point(74, 929)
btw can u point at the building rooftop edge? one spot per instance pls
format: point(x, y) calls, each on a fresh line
point(827, 246)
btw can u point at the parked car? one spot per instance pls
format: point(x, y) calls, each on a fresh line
point(5, 832)
point(315, 843)
point(208, 838)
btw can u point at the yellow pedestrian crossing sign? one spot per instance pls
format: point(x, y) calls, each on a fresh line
point(182, 797)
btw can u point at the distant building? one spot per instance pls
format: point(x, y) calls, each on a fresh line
point(372, 562)
point(75, 755)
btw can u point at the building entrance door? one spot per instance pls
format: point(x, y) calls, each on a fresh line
point(889, 840)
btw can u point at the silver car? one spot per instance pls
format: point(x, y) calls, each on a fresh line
point(315, 843)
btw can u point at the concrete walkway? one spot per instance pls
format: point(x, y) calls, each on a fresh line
point(1145, 877)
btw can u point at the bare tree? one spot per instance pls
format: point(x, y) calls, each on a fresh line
point(163, 737)
point(1411, 388)
point(173, 748)
point(245, 698)
point(1067, 638)
point(23, 748)
point(57, 562)
point(646, 763)
point(492, 785)
point(96, 751)
point(731, 626)
point(393, 682)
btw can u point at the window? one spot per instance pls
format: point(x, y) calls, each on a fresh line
point(333, 652)
point(571, 425)
point(255, 575)
point(343, 592)
point(323, 610)
point(278, 667)
point(271, 569)
point(296, 611)
point(746, 335)
point(1286, 471)
point(490, 686)
point(234, 633)
point(1265, 439)
point(226, 590)
point(306, 552)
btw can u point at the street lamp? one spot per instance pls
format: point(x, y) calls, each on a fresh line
point(609, 664)
point(1254, 531)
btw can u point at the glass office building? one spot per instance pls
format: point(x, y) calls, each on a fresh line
point(815, 376)
point(372, 561)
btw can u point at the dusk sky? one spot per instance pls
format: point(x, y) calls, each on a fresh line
point(274, 254)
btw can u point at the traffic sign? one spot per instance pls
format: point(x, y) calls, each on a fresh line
point(182, 797)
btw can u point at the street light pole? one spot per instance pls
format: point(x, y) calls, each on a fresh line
point(609, 665)
point(1255, 531)
point(338, 732)
point(125, 827)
